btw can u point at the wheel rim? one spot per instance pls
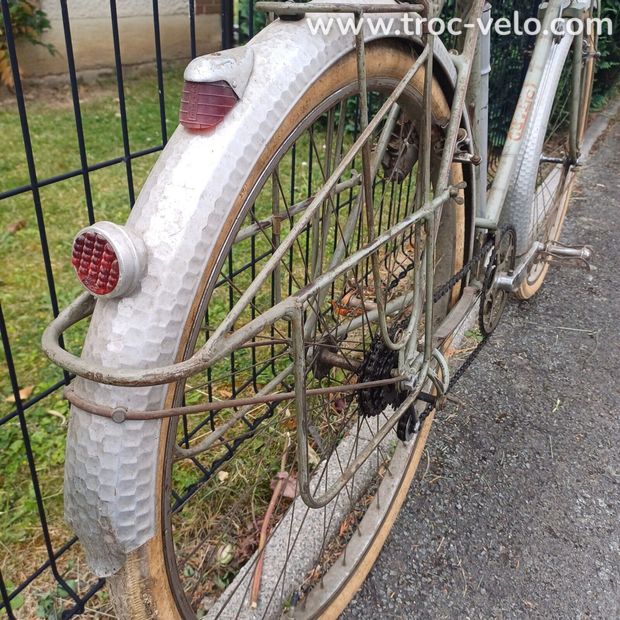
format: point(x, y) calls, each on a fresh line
point(220, 551)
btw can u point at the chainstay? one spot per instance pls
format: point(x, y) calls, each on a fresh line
point(463, 368)
point(444, 289)
point(439, 293)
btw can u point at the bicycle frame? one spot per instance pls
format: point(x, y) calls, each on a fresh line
point(221, 342)
point(416, 368)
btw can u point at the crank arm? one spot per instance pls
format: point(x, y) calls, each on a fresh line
point(512, 281)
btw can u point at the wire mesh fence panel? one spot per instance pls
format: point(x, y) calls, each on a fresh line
point(75, 151)
point(510, 58)
point(509, 62)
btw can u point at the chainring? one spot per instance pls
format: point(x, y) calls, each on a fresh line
point(493, 303)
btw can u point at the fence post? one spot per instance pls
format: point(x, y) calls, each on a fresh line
point(228, 24)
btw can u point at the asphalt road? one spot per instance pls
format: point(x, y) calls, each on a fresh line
point(516, 513)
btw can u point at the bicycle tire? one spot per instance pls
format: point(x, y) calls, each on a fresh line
point(147, 585)
point(528, 187)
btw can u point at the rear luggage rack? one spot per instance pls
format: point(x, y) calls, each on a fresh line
point(298, 9)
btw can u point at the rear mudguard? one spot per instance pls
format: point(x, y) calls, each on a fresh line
point(110, 471)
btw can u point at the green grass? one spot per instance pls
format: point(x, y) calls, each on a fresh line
point(23, 287)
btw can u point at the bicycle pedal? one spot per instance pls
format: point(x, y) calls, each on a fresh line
point(580, 254)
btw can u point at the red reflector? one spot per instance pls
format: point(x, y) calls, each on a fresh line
point(205, 104)
point(95, 263)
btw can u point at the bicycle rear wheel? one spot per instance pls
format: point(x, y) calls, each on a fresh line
point(225, 475)
point(538, 200)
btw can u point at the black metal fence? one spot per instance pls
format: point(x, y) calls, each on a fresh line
point(41, 573)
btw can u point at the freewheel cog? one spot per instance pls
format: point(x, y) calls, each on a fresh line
point(379, 364)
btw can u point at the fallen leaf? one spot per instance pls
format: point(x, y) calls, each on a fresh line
point(24, 393)
point(290, 484)
point(290, 424)
point(57, 414)
point(247, 544)
point(346, 525)
point(15, 226)
point(224, 393)
point(290, 488)
point(339, 405)
point(313, 457)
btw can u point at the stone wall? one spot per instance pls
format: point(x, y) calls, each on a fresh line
point(91, 32)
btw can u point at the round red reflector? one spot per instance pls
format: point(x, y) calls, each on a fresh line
point(95, 263)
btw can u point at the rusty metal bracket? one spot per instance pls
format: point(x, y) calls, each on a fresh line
point(120, 414)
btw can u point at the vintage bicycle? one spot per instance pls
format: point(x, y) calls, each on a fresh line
point(270, 331)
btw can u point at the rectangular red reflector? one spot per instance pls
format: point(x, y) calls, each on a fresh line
point(204, 105)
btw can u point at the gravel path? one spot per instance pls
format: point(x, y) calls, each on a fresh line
point(516, 513)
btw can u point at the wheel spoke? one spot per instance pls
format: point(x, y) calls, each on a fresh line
point(228, 461)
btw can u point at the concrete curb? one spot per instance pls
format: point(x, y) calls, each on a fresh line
point(599, 126)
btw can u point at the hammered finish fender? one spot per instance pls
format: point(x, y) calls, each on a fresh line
point(521, 202)
point(110, 471)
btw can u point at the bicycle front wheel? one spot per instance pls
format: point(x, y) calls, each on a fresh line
point(538, 199)
point(234, 537)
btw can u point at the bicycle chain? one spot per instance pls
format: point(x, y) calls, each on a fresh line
point(404, 429)
point(444, 289)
